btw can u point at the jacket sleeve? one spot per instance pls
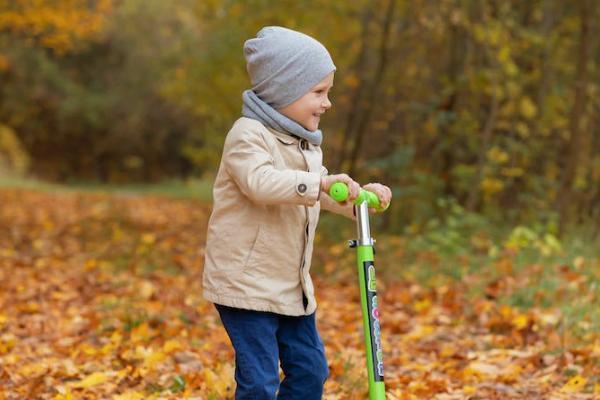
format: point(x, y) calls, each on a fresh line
point(329, 204)
point(248, 161)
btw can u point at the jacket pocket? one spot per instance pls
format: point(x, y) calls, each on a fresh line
point(255, 248)
point(229, 250)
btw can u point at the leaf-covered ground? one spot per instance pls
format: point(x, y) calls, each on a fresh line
point(100, 298)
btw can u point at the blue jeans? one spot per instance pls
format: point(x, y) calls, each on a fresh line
point(261, 340)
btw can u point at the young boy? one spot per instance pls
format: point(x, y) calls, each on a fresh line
point(268, 192)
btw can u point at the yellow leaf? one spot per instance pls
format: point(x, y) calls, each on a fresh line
point(504, 54)
point(7, 343)
point(91, 264)
point(148, 238)
point(575, 384)
point(215, 381)
point(447, 351)
point(124, 372)
point(107, 348)
point(3, 319)
point(66, 396)
point(32, 369)
point(154, 358)
point(527, 108)
point(469, 389)
point(422, 305)
point(93, 379)
point(116, 338)
point(520, 321)
point(88, 349)
point(172, 345)
point(505, 311)
point(493, 35)
point(141, 333)
point(131, 395)
point(491, 185)
point(522, 129)
point(497, 155)
point(210, 377)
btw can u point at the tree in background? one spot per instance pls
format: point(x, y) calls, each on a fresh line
point(92, 107)
point(493, 104)
point(54, 27)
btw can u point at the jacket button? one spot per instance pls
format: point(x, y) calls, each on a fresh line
point(303, 144)
point(302, 188)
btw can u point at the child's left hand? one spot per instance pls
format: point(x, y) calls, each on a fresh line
point(383, 193)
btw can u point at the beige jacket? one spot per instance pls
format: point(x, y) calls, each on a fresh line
point(260, 233)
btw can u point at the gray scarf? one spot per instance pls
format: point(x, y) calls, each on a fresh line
point(257, 109)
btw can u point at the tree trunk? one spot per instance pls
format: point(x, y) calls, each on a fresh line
point(486, 137)
point(577, 154)
point(357, 96)
point(374, 87)
point(457, 44)
point(473, 198)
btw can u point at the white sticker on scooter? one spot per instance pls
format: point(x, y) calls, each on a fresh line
point(374, 324)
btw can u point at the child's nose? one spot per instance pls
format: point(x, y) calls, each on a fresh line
point(327, 103)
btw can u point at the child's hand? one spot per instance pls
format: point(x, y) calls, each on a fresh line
point(383, 193)
point(354, 188)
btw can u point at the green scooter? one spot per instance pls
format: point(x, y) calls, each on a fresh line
point(368, 288)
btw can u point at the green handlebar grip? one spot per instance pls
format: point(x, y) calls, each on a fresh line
point(339, 192)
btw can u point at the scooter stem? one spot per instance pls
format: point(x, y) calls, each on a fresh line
point(362, 224)
point(368, 287)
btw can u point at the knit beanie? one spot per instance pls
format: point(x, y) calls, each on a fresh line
point(284, 64)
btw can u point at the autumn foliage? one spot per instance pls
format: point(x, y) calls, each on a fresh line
point(101, 299)
point(494, 104)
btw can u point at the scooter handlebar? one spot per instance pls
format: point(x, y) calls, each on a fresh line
point(339, 192)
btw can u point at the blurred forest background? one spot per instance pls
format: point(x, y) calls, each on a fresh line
point(492, 107)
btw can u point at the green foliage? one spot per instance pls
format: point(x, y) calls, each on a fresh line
point(450, 233)
point(178, 384)
point(523, 237)
point(104, 98)
point(13, 157)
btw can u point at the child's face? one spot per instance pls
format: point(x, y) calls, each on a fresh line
point(307, 110)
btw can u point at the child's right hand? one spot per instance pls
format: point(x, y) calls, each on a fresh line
point(328, 180)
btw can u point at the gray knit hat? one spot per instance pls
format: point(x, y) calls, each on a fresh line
point(284, 64)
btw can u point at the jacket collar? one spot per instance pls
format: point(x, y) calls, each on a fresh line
point(284, 137)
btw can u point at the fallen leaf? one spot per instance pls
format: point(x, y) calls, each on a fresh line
point(575, 384)
point(66, 396)
point(93, 379)
point(131, 395)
